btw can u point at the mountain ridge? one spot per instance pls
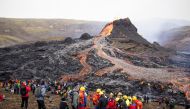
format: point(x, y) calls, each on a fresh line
point(32, 30)
point(177, 38)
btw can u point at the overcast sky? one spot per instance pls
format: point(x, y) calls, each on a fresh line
point(102, 10)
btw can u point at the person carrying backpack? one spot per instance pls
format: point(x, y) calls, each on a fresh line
point(111, 102)
point(74, 99)
point(63, 104)
point(82, 98)
point(24, 94)
point(40, 94)
point(33, 87)
point(172, 103)
point(102, 101)
point(119, 100)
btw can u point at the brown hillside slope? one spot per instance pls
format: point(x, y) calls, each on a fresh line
point(16, 31)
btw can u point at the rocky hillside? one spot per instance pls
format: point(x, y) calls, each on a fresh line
point(118, 57)
point(16, 31)
point(178, 39)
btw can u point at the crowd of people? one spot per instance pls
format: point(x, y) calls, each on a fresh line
point(75, 96)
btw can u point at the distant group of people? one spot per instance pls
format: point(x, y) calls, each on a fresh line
point(23, 88)
point(80, 100)
point(77, 96)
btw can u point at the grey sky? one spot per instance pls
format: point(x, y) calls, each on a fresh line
point(96, 9)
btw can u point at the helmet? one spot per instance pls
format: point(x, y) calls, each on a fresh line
point(125, 97)
point(111, 94)
point(119, 94)
point(98, 90)
point(101, 93)
point(129, 98)
point(82, 88)
point(117, 99)
point(134, 98)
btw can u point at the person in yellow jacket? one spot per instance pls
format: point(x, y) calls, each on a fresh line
point(127, 100)
point(130, 99)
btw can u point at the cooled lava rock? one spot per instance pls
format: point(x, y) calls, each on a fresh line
point(85, 36)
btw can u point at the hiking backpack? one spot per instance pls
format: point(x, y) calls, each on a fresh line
point(38, 92)
point(23, 91)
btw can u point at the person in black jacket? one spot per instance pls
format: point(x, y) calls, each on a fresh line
point(103, 101)
point(63, 104)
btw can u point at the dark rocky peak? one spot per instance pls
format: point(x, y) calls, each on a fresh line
point(126, 24)
point(123, 30)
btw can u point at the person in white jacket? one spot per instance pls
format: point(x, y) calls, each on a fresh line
point(40, 94)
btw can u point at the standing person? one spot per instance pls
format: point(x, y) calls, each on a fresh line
point(74, 98)
point(133, 105)
point(102, 101)
point(40, 94)
point(24, 95)
point(125, 102)
point(17, 87)
point(33, 87)
point(146, 98)
point(187, 103)
point(139, 104)
point(63, 104)
point(187, 95)
point(82, 98)
point(111, 102)
point(167, 101)
point(119, 100)
point(2, 97)
point(172, 103)
point(96, 98)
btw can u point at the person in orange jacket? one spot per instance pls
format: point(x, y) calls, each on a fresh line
point(138, 103)
point(95, 98)
point(24, 94)
point(82, 98)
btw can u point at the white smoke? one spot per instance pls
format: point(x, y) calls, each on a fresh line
point(152, 29)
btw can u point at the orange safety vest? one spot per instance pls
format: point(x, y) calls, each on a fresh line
point(96, 98)
point(81, 97)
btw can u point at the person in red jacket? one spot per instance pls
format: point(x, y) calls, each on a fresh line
point(24, 95)
point(133, 105)
point(139, 104)
point(111, 102)
point(2, 97)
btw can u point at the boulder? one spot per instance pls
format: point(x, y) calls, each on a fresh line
point(85, 36)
